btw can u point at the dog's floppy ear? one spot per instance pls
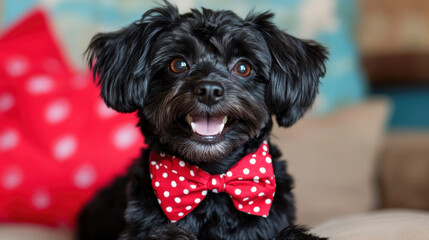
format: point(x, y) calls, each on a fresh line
point(296, 68)
point(121, 59)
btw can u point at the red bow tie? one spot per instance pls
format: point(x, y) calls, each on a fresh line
point(180, 187)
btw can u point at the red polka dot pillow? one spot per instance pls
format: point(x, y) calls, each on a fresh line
point(59, 143)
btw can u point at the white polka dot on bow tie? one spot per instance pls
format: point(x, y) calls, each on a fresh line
point(157, 167)
point(169, 209)
point(253, 155)
point(237, 191)
point(204, 192)
point(180, 214)
point(268, 181)
point(166, 194)
point(181, 178)
point(159, 201)
point(264, 153)
point(165, 175)
point(252, 161)
point(256, 209)
point(188, 208)
point(267, 201)
point(261, 194)
point(265, 147)
point(262, 170)
point(215, 191)
point(245, 199)
point(177, 200)
point(174, 171)
point(246, 171)
point(253, 189)
point(173, 184)
point(185, 191)
point(181, 163)
point(193, 186)
point(214, 181)
point(240, 206)
point(156, 184)
point(268, 160)
point(153, 162)
point(251, 202)
point(197, 200)
point(192, 173)
point(256, 179)
point(229, 174)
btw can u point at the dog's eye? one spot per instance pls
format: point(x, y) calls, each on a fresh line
point(178, 65)
point(242, 69)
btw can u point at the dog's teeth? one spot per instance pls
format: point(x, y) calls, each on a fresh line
point(193, 126)
point(189, 119)
point(221, 128)
point(225, 119)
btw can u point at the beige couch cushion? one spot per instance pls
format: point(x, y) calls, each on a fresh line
point(32, 232)
point(389, 224)
point(404, 170)
point(332, 159)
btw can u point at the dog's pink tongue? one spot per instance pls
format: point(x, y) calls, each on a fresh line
point(207, 125)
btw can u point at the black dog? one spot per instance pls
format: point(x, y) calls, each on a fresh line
point(205, 85)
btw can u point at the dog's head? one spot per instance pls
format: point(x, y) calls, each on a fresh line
point(206, 82)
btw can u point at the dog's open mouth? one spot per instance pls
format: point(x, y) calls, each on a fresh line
point(208, 129)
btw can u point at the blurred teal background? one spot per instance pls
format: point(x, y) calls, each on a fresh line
point(331, 22)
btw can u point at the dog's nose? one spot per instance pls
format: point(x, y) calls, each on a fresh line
point(208, 92)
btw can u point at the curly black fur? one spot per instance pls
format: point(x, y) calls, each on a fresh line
point(133, 71)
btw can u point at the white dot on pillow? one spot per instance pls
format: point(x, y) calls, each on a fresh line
point(85, 176)
point(103, 111)
point(125, 136)
point(17, 66)
point(7, 101)
point(40, 84)
point(12, 178)
point(65, 147)
point(9, 139)
point(41, 199)
point(57, 111)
